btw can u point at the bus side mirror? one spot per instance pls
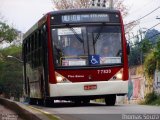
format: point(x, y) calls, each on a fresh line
point(128, 49)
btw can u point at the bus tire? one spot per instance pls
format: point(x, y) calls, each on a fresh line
point(32, 101)
point(40, 102)
point(77, 102)
point(86, 101)
point(48, 103)
point(110, 100)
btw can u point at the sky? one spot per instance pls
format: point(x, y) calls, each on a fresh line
point(22, 14)
point(140, 8)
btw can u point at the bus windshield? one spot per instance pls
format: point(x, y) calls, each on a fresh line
point(87, 46)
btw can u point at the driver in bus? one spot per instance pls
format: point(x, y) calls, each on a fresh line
point(74, 49)
point(106, 52)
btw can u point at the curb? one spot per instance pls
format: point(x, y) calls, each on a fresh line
point(23, 111)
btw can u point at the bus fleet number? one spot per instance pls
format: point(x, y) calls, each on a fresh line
point(104, 71)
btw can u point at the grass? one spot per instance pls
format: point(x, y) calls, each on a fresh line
point(151, 99)
point(100, 100)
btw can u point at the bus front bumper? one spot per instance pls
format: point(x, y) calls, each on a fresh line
point(88, 88)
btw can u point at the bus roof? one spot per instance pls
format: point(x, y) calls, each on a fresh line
point(84, 10)
point(69, 11)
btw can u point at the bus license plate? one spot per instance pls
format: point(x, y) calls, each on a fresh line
point(90, 87)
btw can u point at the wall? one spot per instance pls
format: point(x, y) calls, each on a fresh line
point(156, 85)
point(137, 79)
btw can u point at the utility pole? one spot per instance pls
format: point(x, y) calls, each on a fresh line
point(99, 3)
point(140, 40)
point(111, 4)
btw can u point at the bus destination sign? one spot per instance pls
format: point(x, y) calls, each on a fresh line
point(85, 18)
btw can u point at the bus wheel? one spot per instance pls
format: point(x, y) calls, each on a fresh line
point(110, 100)
point(32, 101)
point(40, 102)
point(77, 102)
point(86, 101)
point(48, 103)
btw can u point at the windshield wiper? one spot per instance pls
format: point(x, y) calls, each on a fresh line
point(76, 35)
point(98, 34)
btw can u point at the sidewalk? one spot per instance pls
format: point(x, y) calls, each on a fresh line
point(7, 114)
point(22, 111)
point(124, 100)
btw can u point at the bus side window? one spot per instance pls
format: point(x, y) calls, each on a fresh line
point(37, 39)
point(35, 49)
point(32, 45)
point(23, 51)
point(28, 42)
point(32, 54)
point(29, 50)
point(40, 46)
point(26, 53)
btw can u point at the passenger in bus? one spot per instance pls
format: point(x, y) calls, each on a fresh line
point(74, 49)
point(106, 52)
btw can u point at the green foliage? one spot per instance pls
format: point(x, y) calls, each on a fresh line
point(12, 50)
point(157, 54)
point(135, 56)
point(152, 60)
point(100, 100)
point(150, 64)
point(11, 73)
point(7, 33)
point(139, 51)
point(152, 99)
point(145, 46)
point(156, 101)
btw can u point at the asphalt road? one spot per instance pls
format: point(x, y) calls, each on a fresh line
point(96, 111)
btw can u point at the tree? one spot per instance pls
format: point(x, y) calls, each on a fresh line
point(118, 4)
point(135, 55)
point(69, 4)
point(152, 35)
point(7, 33)
point(141, 50)
point(11, 73)
point(152, 60)
point(150, 64)
point(146, 46)
point(157, 54)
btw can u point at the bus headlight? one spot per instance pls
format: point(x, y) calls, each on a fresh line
point(61, 79)
point(118, 75)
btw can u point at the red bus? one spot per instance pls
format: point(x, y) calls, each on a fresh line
point(76, 55)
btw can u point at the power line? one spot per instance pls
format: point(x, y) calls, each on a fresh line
point(140, 8)
point(144, 16)
point(144, 31)
point(148, 38)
